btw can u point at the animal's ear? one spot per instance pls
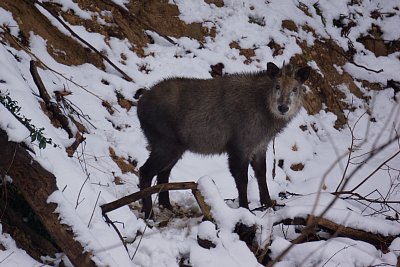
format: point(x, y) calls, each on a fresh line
point(303, 74)
point(272, 70)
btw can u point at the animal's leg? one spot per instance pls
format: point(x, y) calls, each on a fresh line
point(259, 165)
point(159, 160)
point(163, 197)
point(238, 166)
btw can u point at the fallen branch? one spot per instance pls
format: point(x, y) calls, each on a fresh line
point(246, 233)
point(145, 193)
point(205, 208)
point(158, 189)
point(377, 240)
point(51, 106)
point(148, 192)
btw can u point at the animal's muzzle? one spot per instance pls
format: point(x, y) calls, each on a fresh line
point(283, 109)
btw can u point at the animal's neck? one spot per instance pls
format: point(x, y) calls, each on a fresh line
point(278, 124)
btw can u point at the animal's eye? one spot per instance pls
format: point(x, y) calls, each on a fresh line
point(277, 87)
point(295, 89)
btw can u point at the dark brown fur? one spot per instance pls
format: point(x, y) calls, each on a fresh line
point(235, 114)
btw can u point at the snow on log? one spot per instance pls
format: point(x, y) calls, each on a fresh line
point(35, 185)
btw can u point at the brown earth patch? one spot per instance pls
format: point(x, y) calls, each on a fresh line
point(63, 49)
point(218, 3)
point(125, 165)
point(290, 25)
point(248, 53)
point(162, 17)
point(324, 84)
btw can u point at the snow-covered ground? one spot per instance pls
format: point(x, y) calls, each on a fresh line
point(317, 148)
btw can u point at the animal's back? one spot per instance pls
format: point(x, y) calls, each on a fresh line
point(207, 116)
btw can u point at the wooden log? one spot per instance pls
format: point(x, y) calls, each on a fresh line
point(378, 240)
point(204, 207)
point(145, 193)
point(35, 185)
point(27, 234)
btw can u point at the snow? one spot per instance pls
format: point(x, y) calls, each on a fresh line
point(338, 251)
point(70, 5)
point(91, 172)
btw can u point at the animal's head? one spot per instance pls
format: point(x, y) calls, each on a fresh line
point(286, 95)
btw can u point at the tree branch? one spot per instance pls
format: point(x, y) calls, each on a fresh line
point(378, 240)
point(145, 193)
point(52, 107)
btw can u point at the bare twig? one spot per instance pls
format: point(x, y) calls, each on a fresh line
point(94, 208)
point(351, 148)
point(313, 220)
point(274, 163)
point(146, 225)
point(140, 241)
point(74, 109)
point(80, 191)
point(360, 197)
point(350, 60)
point(118, 232)
point(392, 114)
point(9, 255)
point(377, 169)
point(343, 248)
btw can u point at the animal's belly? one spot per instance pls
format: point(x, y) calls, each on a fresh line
point(207, 149)
point(207, 142)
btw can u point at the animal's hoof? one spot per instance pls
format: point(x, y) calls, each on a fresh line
point(164, 202)
point(148, 213)
point(167, 206)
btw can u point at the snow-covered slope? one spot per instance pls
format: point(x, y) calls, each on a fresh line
point(310, 140)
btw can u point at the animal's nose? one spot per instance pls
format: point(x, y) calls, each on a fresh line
point(283, 109)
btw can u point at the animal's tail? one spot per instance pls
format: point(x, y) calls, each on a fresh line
point(138, 93)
